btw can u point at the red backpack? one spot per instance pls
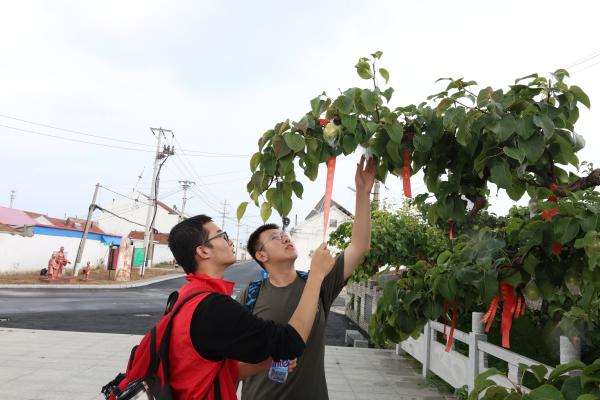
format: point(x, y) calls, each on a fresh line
point(143, 378)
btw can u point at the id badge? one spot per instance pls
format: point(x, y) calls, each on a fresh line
point(279, 371)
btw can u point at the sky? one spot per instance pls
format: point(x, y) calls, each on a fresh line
point(220, 73)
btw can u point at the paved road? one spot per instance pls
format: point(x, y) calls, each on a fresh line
point(131, 311)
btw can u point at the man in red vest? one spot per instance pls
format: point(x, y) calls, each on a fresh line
point(212, 332)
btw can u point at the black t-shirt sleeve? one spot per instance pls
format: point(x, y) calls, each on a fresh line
point(222, 328)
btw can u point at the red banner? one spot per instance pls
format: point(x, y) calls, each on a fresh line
point(406, 174)
point(328, 193)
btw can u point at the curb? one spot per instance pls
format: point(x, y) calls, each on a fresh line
point(79, 286)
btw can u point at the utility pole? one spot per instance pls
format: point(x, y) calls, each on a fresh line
point(223, 215)
point(149, 228)
point(86, 230)
point(376, 195)
point(12, 198)
point(185, 185)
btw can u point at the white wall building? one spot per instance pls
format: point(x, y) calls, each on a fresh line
point(28, 239)
point(308, 234)
point(133, 209)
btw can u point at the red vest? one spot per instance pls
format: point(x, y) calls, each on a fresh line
point(190, 375)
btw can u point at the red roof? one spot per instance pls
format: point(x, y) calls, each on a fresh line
point(73, 224)
point(161, 238)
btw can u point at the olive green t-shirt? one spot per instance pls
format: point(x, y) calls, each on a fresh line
point(307, 381)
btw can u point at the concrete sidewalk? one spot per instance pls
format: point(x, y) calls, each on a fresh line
point(48, 365)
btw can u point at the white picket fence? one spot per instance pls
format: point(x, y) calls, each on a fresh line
point(453, 367)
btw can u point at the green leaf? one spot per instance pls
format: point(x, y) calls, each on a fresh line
point(544, 122)
point(280, 148)
point(393, 149)
point(501, 175)
point(530, 263)
point(546, 392)
point(369, 100)
point(265, 211)
point(571, 388)
point(294, 141)
point(564, 368)
point(580, 95)
point(484, 97)
point(539, 371)
point(566, 229)
point(422, 143)
point(377, 55)
point(514, 278)
point(533, 147)
point(388, 94)
point(254, 161)
point(516, 190)
point(384, 74)
point(515, 153)
point(348, 144)
point(490, 286)
point(588, 396)
point(241, 210)
point(504, 128)
point(349, 122)
point(524, 127)
point(444, 104)
point(298, 189)
point(315, 105)
point(363, 69)
point(395, 132)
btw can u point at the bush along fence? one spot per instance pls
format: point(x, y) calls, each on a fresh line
point(455, 368)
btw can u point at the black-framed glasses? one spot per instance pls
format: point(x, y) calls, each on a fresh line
point(280, 235)
point(223, 234)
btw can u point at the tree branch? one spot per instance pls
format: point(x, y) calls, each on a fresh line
point(586, 182)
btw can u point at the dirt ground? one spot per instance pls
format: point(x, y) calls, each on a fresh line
point(97, 276)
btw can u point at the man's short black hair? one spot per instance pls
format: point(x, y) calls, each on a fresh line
point(185, 237)
point(254, 242)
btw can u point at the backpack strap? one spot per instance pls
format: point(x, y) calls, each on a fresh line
point(254, 290)
point(163, 351)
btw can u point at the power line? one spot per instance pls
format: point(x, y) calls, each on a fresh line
point(75, 140)
point(118, 216)
point(584, 59)
point(200, 153)
point(122, 195)
point(586, 67)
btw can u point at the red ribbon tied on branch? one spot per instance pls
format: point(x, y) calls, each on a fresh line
point(512, 307)
point(328, 194)
point(406, 174)
point(452, 326)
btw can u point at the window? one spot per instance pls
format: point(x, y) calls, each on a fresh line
point(333, 223)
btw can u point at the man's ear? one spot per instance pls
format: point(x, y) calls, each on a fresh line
point(202, 253)
point(261, 256)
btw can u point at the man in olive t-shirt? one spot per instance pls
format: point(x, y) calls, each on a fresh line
point(280, 293)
